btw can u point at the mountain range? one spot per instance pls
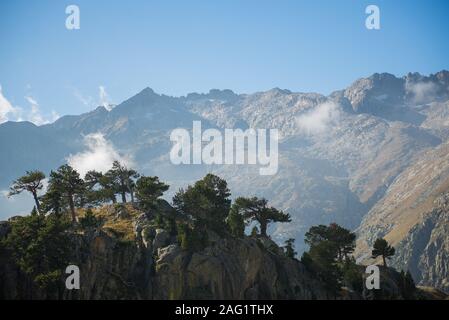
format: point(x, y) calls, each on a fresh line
point(373, 157)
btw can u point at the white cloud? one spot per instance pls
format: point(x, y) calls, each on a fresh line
point(319, 119)
point(104, 98)
point(85, 100)
point(99, 155)
point(34, 115)
point(20, 204)
point(422, 92)
point(7, 111)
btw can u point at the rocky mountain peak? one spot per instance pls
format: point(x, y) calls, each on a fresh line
point(376, 93)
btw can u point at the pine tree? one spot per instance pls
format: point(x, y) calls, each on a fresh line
point(53, 201)
point(90, 220)
point(323, 257)
point(149, 190)
point(31, 182)
point(383, 249)
point(124, 179)
point(289, 248)
point(66, 182)
point(343, 239)
point(34, 211)
point(207, 202)
point(236, 223)
point(100, 187)
point(255, 209)
point(254, 231)
point(42, 248)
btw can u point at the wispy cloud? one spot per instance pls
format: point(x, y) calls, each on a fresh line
point(319, 118)
point(7, 111)
point(33, 114)
point(422, 92)
point(85, 100)
point(104, 98)
point(99, 155)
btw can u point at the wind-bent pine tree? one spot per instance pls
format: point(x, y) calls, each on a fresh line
point(255, 209)
point(31, 182)
point(383, 249)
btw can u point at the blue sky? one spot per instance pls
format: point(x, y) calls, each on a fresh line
point(176, 47)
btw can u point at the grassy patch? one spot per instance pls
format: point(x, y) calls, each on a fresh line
point(121, 228)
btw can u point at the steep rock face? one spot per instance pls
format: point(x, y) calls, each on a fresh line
point(424, 251)
point(111, 269)
point(376, 93)
point(229, 269)
point(437, 119)
point(406, 217)
point(233, 269)
point(129, 257)
point(384, 94)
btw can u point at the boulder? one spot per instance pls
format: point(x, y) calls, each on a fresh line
point(161, 239)
point(166, 254)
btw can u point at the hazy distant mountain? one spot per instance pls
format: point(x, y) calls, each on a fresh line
point(346, 158)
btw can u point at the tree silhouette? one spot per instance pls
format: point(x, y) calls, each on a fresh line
point(100, 187)
point(255, 209)
point(206, 202)
point(343, 239)
point(236, 223)
point(123, 177)
point(289, 248)
point(383, 249)
point(66, 182)
point(31, 182)
point(148, 190)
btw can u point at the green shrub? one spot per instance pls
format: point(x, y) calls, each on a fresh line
point(352, 275)
point(41, 247)
point(191, 238)
point(159, 221)
point(289, 248)
point(90, 220)
point(236, 224)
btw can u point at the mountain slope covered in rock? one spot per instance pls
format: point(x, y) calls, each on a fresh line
point(413, 217)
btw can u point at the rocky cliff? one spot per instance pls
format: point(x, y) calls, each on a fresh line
point(128, 257)
point(424, 251)
point(413, 217)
